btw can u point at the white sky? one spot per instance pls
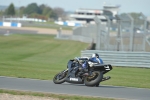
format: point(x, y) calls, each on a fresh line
point(72, 5)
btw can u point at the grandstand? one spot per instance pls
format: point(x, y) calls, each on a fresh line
point(88, 15)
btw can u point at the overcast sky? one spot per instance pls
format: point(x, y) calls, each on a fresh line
point(72, 5)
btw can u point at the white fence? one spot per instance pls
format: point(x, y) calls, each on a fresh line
point(120, 58)
point(24, 19)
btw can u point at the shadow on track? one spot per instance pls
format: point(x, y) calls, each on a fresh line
point(101, 86)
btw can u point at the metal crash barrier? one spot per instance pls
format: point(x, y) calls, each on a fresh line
point(121, 58)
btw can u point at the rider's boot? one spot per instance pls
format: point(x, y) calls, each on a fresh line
point(106, 78)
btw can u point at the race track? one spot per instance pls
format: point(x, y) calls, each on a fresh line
point(29, 30)
point(47, 86)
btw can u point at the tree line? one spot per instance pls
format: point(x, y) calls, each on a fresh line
point(35, 11)
point(45, 12)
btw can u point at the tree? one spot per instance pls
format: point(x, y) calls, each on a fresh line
point(47, 11)
point(1, 12)
point(10, 10)
point(137, 18)
point(32, 8)
point(42, 7)
point(42, 11)
point(54, 15)
point(59, 12)
point(21, 10)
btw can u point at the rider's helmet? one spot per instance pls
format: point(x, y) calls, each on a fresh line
point(95, 55)
point(95, 58)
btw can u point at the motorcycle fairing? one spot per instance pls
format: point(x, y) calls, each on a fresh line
point(103, 67)
point(72, 71)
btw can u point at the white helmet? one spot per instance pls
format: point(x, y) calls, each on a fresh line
point(95, 55)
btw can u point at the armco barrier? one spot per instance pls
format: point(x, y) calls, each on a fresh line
point(120, 58)
point(10, 24)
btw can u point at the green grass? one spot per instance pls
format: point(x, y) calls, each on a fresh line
point(56, 96)
point(36, 56)
point(50, 25)
point(42, 56)
point(130, 77)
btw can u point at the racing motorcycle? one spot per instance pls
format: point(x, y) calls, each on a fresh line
point(73, 74)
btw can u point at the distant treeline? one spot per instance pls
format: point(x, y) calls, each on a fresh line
point(33, 10)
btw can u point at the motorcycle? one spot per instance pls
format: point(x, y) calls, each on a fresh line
point(73, 74)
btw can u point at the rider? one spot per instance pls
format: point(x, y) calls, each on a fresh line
point(94, 59)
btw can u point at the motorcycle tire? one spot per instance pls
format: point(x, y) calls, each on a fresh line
point(60, 77)
point(93, 80)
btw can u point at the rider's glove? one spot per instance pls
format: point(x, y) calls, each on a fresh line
point(90, 64)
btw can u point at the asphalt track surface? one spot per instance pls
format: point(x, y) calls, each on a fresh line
point(28, 30)
point(5, 30)
point(47, 86)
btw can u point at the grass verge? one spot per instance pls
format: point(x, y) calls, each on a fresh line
point(50, 25)
point(36, 56)
point(55, 96)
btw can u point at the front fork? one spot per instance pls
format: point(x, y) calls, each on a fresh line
point(63, 73)
point(65, 70)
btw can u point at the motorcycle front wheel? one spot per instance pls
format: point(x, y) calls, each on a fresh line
point(94, 79)
point(60, 77)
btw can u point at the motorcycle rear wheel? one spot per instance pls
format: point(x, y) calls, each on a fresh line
point(93, 80)
point(60, 77)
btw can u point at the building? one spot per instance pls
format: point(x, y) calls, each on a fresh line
point(83, 16)
point(88, 15)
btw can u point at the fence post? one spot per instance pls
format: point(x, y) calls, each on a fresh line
point(145, 24)
point(108, 32)
point(59, 32)
point(131, 32)
point(118, 34)
point(98, 40)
